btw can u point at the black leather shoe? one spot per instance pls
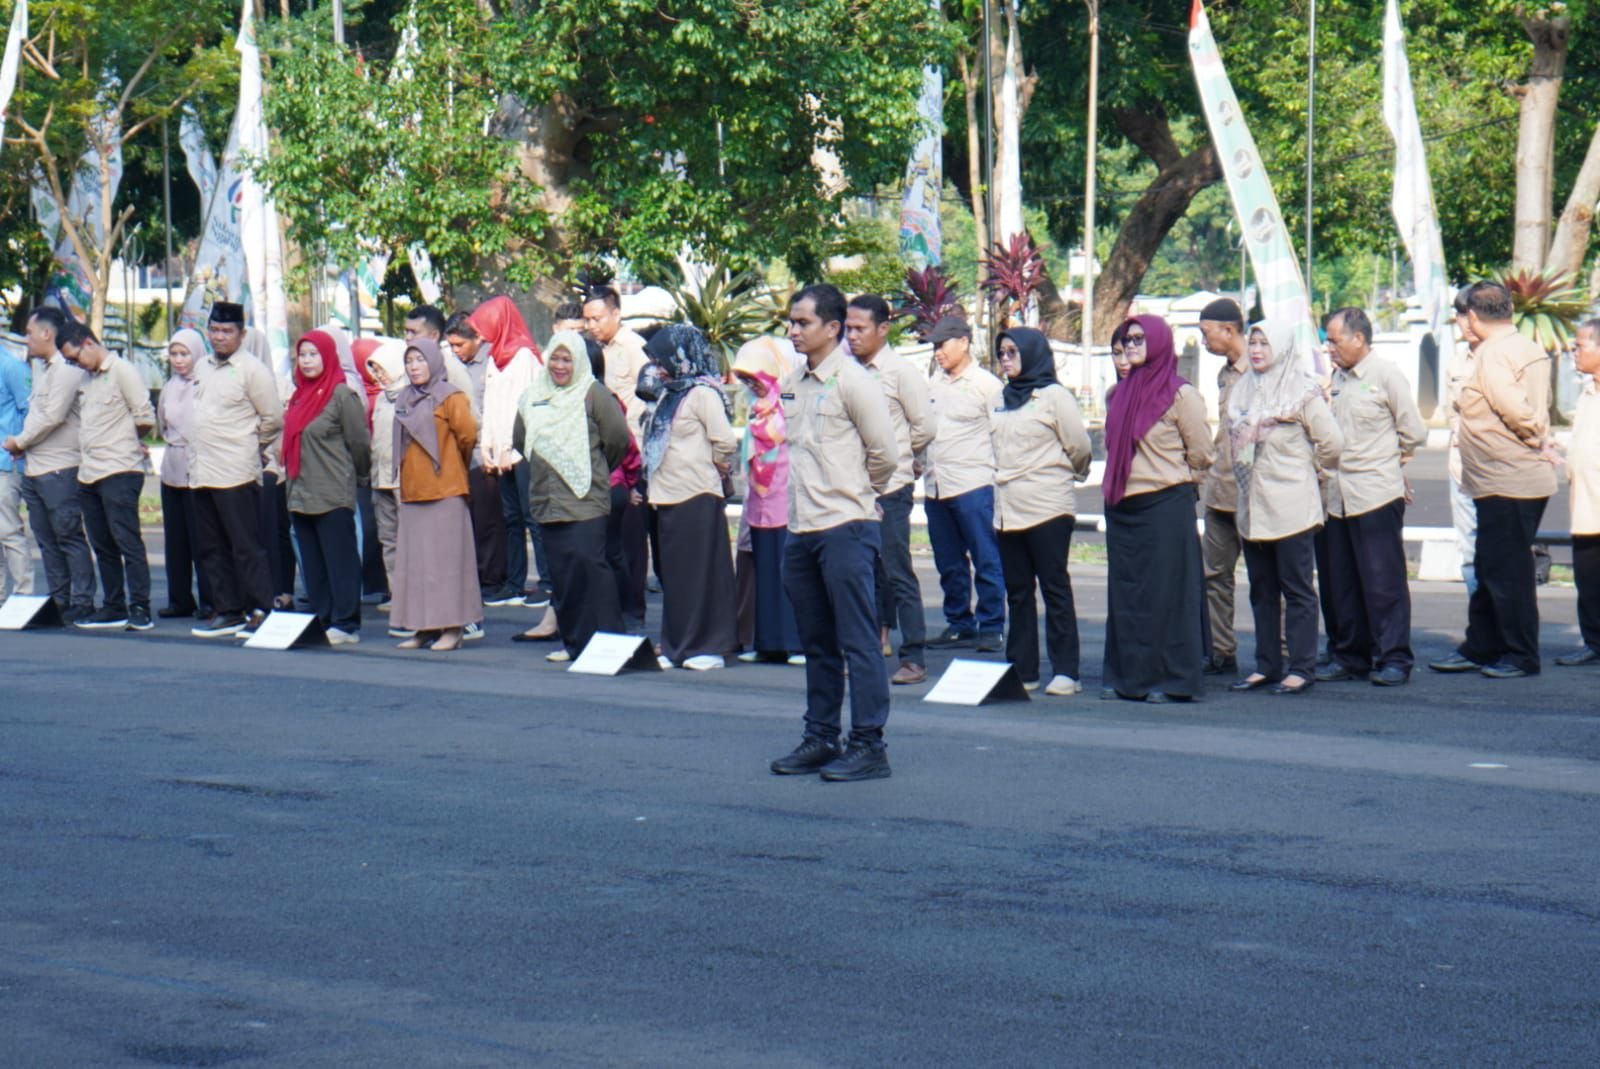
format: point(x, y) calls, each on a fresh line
point(991, 641)
point(1391, 675)
point(1504, 670)
point(861, 761)
point(1583, 656)
point(808, 757)
point(1220, 666)
point(1242, 685)
point(173, 612)
point(1286, 689)
point(1337, 673)
point(952, 639)
point(1455, 663)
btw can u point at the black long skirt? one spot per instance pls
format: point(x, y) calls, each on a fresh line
point(1155, 594)
point(775, 630)
point(698, 596)
point(585, 588)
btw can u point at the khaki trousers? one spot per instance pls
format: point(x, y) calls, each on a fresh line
point(1220, 552)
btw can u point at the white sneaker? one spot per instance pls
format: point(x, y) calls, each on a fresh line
point(1063, 687)
point(1030, 685)
point(471, 632)
point(797, 660)
point(705, 662)
point(337, 637)
point(558, 656)
point(748, 657)
point(665, 663)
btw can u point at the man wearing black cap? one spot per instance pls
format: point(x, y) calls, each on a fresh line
point(959, 498)
point(237, 416)
point(1222, 327)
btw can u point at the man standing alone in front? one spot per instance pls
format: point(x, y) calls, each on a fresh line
point(1222, 328)
point(1507, 467)
point(1365, 595)
point(842, 456)
point(899, 595)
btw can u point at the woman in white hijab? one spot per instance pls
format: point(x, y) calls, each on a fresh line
point(175, 412)
point(1283, 434)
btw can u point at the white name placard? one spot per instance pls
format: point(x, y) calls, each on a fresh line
point(609, 653)
point(975, 682)
point(287, 631)
point(23, 611)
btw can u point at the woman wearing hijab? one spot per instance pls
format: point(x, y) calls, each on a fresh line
point(175, 411)
point(514, 358)
point(574, 434)
point(374, 577)
point(689, 446)
point(386, 366)
point(764, 454)
point(1040, 449)
point(1282, 432)
point(1119, 358)
point(1158, 446)
point(325, 453)
point(436, 570)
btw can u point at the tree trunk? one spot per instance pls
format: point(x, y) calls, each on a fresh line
point(1164, 201)
point(1577, 220)
point(971, 84)
point(1536, 140)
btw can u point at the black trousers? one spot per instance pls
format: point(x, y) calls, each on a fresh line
point(276, 536)
point(55, 513)
point(899, 594)
point(1503, 612)
point(1281, 583)
point(1037, 556)
point(228, 527)
point(111, 520)
point(1586, 572)
point(488, 529)
point(1366, 599)
point(374, 579)
point(182, 549)
point(332, 566)
point(626, 553)
point(584, 590)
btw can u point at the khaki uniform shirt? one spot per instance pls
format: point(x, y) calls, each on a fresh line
point(50, 433)
point(910, 407)
point(114, 408)
point(1382, 428)
point(1220, 491)
point(1176, 450)
point(1583, 461)
point(699, 439)
point(842, 451)
point(237, 417)
point(1504, 411)
point(625, 358)
point(1283, 497)
point(961, 458)
point(1040, 450)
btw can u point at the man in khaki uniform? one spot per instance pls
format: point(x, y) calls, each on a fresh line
point(1222, 328)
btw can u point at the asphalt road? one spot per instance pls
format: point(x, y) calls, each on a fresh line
point(214, 856)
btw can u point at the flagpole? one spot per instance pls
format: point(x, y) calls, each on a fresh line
point(166, 205)
point(1086, 331)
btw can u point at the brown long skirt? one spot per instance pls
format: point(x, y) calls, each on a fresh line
point(436, 567)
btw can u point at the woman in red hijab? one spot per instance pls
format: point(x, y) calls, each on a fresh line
point(1158, 445)
point(325, 452)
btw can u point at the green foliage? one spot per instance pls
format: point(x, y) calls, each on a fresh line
point(1545, 308)
point(730, 307)
point(873, 241)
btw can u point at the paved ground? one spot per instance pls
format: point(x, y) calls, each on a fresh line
point(211, 856)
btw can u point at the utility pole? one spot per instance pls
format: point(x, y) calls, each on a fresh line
point(1086, 331)
point(1311, 130)
point(338, 22)
point(166, 205)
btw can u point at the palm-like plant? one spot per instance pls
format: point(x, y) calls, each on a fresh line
point(1545, 308)
point(1012, 271)
point(929, 294)
point(730, 307)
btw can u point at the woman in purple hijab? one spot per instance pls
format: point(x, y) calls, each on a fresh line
point(1158, 445)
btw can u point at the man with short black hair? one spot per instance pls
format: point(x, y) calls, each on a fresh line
point(568, 316)
point(1222, 330)
point(426, 321)
point(483, 487)
point(114, 414)
point(625, 356)
point(1507, 466)
point(1361, 559)
point(866, 327)
point(842, 455)
point(48, 447)
point(237, 417)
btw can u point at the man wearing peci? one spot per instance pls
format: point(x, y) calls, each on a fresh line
point(842, 456)
point(1222, 327)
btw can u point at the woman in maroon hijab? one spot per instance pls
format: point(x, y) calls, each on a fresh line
point(1158, 445)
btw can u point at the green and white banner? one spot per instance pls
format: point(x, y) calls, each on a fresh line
point(1412, 203)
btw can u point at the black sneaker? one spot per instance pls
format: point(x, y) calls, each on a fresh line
point(139, 619)
point(862, 760)
point(953, 638)
point(219, 627)
point(1220, 666)
point(104, 619)
point(991, 641)
point(173, 612)
point(252, 623)
point(504, 597)
point(808, 757)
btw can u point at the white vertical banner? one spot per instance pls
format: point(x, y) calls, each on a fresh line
point(13, 58)
point(258, 219)
point(1412, 202)
point(1008, 206)
point(220, 272)
point(921, 242)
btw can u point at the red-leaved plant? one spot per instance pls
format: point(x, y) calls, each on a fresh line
point(1012, 271)
point(929, 294)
